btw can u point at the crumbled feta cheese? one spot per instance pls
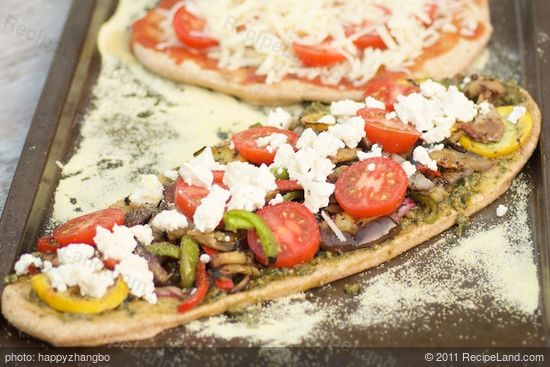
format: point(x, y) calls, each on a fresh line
point(169, 221)
point(375, 151)
point(92, 282)
point(279, 118)
point(316, 194)
point(371, 102)
point(116, 245)
point(271, 142)
point(502, 210)
point(345, 107)
point(26, 260)
point(390, 115)
point(436, 148)
point(371, 167)
point(46, 266)
point(231, 145)
point(325, 144)
point(204, 258)
point(144, 234)
point(409, 168)
point(517, 113)
point(421, 155)
point(76, 253)
point(210, 211)
point(278, 199)
point(484, 108)
point(171, 174)
point(135, 272)
point(435, 110)
point(149, 191)
point(248, 185)
point(350, 131)
point(198, 171)
point(327, 120)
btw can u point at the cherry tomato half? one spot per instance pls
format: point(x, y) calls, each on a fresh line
point(364, 193)
point(190, 30)
point(317, 55)
point(388, 86)
point(83, 229)
point(288, 185)
point(393, 135)
point(189, 197)
point(296, 231)
point(372, 40)
point(245, 143)
point(47, 244)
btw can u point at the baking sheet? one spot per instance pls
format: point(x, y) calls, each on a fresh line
point(66, 97)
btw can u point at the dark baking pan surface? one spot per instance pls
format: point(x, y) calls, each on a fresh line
point(520, 49)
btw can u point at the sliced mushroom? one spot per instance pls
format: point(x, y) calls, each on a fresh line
point(480, 89)
point(344, 155)
point(160, 274)
point(451, 159)
point(226, 258)
point(217, 240)
point(486, 128)
point(374, 232)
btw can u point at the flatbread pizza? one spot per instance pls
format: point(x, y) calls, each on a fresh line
point(282, 52)
point(276, 210)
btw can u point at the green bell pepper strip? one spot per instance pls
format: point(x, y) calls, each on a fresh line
point(164, 249)
point(189, 258)
point(241, 219)
point(280, 174)
point(293, 195)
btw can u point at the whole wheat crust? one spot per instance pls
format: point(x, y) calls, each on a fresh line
point(20, 309)
point(289, 91)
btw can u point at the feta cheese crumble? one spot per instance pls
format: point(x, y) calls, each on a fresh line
point(140, 280)
point(375, 151)
point(435, 110)
point(149, 191)
point(278, 199)
point(143, 234)
point(204, 258)
point(502, 210)
point(210, 211)
point(371, 102)
point(484, 108)
point(350, 131)
point(327, 120)
point(345, 107)
point(517, 113)
point(279, 118)
point(409, 168)
point(169, 221)
point(116, 245)
point(248, 185)
point(421, 155)
point(171, 174)
point(325, 144)
point(271, 142)
point(26, 260)
point(198, 171)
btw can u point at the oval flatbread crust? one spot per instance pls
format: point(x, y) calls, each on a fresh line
point(451, 55)
point(140, 320)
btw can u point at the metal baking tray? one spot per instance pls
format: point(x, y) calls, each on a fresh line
point(520, 29)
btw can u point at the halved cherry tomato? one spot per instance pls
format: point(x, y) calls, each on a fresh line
point(288, 185)
point(83, 229)
point(318, 55)
point(388, 86)
point(245, 143)
point(394, 136)
point(47, 244)
point(364, 193)
point(295, 230)
point(189, 197)
point(190, 30)
point(32, 269)
point(224, 283)
point(110, 263)
point(218, 177)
